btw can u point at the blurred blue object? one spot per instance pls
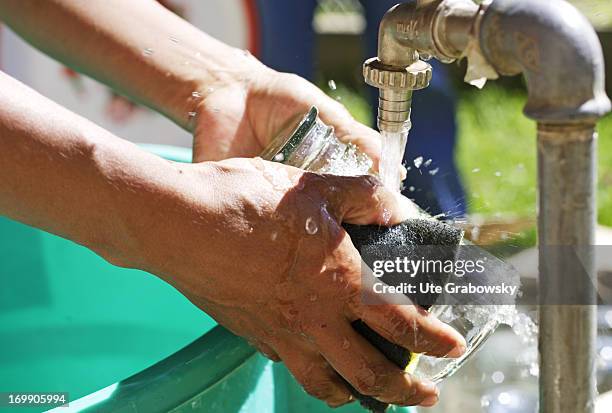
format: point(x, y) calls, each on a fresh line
point(287, 43)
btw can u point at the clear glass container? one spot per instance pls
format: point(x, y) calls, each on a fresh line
point(312, 146)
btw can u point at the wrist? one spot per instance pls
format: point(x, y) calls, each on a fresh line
point(197, 73)
point(171, 200)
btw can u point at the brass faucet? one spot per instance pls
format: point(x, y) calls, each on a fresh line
point(549, 41)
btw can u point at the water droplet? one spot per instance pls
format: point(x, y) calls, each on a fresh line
point(216, 110)
point(427, 163)
point(148, 51)
point(346, 344)
point(274, 236)
point(418, 161)
point(434, 171)
point(498, 174)
point(311, 226)
point(332, 84)
point(411, 188)
point(498, 377)
point(606, 353)
point(485, 401)
point(520, 166)
point(608, 317)
point(173, 39)
point(504, 398)
point(246, 53)
point(279, 157)
point(475, 170)
point(313, 297)
point(339, 98)
point(196, 94)
point(192, 114)
point(386, 216)
point(210, 89)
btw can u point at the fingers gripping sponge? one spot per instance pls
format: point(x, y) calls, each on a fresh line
point(405, 238)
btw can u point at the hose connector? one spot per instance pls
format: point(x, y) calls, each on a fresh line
point(396, 84)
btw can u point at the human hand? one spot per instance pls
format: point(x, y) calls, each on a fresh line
point(265, 255)
point(239, 115)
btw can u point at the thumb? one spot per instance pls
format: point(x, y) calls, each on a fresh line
point(363, 200)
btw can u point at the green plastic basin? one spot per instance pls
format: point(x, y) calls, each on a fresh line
point(121, 340)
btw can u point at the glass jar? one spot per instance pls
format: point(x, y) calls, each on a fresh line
point(312, 146)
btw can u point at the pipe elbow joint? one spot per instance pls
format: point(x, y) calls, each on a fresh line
point(433, 28)
point(558, 52)
point(394, 36)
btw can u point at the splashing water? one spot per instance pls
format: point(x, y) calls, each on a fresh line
point(392, 153)
point(481, 320)
point(418, 161)
point(342, 159)
point(311, 226)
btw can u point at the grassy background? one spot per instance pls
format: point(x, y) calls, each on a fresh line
point(496, 151)
point(495, 137)
point(599, 12)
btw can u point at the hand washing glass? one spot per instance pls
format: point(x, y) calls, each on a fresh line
point(312, 146)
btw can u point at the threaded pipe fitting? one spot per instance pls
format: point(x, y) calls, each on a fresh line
point(394, 108)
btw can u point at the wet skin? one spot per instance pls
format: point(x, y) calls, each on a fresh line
point(256, 245)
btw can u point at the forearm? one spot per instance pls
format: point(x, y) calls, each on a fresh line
point(68, 176)
point(137, 47)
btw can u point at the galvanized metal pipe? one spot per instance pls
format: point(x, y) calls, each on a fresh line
point(567, 217)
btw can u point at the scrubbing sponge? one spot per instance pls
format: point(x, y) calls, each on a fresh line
point(415, 232)
point(441, 241)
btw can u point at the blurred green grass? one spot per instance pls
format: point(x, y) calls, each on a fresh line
point(496, 152)
point(495, 137)
point(599, 12)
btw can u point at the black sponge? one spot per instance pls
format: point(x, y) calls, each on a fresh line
point(411, 239)
point(416, 231)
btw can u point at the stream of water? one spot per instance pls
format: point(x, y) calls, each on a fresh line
point(393, 145)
